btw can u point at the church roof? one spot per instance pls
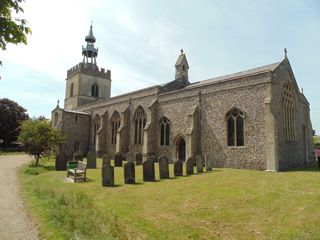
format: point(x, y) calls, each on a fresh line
point(250, 72)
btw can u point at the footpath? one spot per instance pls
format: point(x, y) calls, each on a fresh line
point(14, 221)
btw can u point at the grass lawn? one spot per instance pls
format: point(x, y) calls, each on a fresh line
point(223, 204)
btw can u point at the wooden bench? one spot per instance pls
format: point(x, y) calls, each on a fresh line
point(77, 169)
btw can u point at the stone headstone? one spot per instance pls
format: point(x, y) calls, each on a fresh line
point(77, 157)
point(129, 173)
point(148, 170)
point(130, 157)
point(208, 164)
point(189, 165)
point(178, 168)
point(107, 175)
point(199, 163)
point(106, 160)
point(138, 158)
point(61, 161)
point(91, 160)
point(118, 160)
point(163, 167)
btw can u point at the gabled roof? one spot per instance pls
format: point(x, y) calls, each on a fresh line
point(254, 71)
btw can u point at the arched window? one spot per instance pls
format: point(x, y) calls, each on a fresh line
point(56, 119)
point(164, 131)
point(115, 124)
point(140, 121)
point(96, 128)
point(95, 90)
point(235, 127)
point(71, 90)
point(288, 113)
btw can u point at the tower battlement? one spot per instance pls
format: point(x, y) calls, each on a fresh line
point(88, 68)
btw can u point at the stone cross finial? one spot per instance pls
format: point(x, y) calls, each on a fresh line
point(58, 103)
point(285, 53)
point(181, 51)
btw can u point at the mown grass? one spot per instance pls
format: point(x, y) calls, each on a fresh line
point(223, 204)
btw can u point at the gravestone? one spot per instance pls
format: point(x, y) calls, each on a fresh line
point(106, 160)
point(130, 157)
point(107, 175)
point(129, 173)
point(61, 161)
point(199, 163)
point(208, 164)
point(178, 168)
point(189, 165)
point(163, 167)
point(77, 157)
point(91, 160)
point(148, 170)
point(118, 160)
point(138, 159)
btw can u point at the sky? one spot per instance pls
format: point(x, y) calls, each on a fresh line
point(140, 40)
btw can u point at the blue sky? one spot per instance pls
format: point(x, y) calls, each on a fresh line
point(140, 40)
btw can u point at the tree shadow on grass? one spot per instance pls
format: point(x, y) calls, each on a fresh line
point(305, 169)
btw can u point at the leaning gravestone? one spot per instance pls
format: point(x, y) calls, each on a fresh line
point(190, 165)
point(91, 160)
point(129, 173)
point(77, 157)
point(178, 168)
point(107, 175)
point(106, 160)
point(208, 164)
point(163, 167)
point(130, 157)
point(138, 158)
point(61, 162)
point(199, 163)
point(148, 170)
point(118, 160)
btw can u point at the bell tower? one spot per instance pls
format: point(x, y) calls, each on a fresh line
point(85, 82)
point(182, 67)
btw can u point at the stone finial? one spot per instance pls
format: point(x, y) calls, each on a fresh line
point(182, 52)
point(302, 90)
point(58, 103)
point(285, 53)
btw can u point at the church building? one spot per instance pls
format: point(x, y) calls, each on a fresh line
point(255, 119)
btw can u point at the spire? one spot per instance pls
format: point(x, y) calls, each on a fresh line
point(89, 52)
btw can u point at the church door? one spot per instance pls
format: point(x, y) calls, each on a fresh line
point(181, 149)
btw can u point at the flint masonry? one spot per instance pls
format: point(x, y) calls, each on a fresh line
point(255, 119)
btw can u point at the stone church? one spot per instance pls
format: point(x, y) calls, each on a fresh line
point(255, 119)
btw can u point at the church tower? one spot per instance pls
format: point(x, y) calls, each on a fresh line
point(85, 82)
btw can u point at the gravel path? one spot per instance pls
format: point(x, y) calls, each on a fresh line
point(14, 222)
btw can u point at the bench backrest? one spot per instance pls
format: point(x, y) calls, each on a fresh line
point(81, 165)
point(72, 164)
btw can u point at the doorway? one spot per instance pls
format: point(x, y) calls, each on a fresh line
point(180, 149)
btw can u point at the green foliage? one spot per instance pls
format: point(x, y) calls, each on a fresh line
point(12, 30)
point(39, 137)
point(223, 204)
point(316, 141)
point(11, 116)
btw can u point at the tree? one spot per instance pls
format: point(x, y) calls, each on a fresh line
point(11, 116)
point(12, 30)
point(39, 137)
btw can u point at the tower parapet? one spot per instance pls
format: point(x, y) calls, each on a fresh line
point(89, 69)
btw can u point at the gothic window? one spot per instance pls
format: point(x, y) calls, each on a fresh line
point(115, 124)
point(71, 90)
point(96, 128)
point(140, 121)
point(95, 90)
point(164, 131)
point(288, 113)
point(235, 127)
point(56, 119)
